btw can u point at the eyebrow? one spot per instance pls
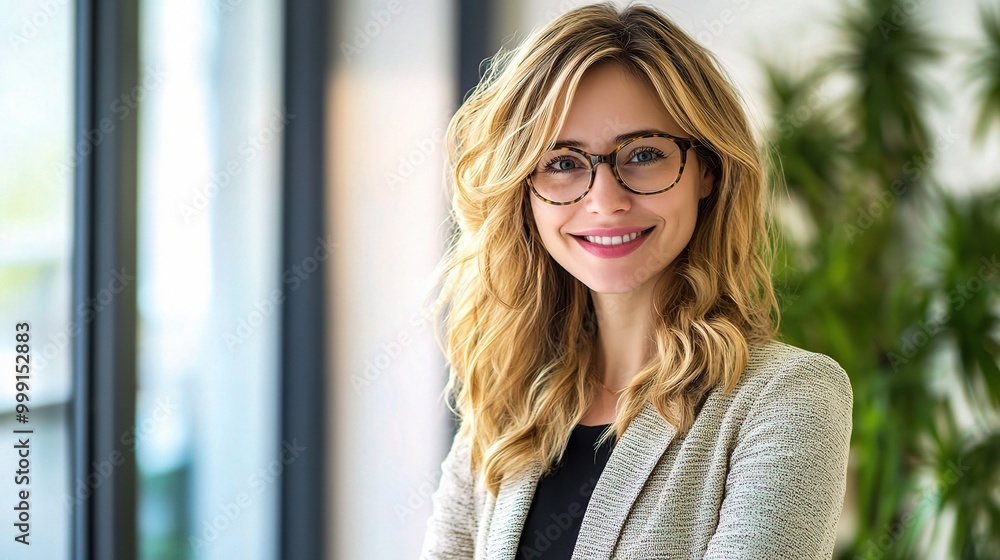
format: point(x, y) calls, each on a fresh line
point(617, 140)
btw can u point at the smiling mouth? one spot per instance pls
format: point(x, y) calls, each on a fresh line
point(614, 240)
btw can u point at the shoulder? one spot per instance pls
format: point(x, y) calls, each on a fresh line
point(777, 364)
point(782, 381)
point(786, 428)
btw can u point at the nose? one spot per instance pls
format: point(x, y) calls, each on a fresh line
point(606, 195)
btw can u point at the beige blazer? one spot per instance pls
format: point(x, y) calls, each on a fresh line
point(760, 475)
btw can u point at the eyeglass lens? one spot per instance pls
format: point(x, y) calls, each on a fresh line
point(644, 165)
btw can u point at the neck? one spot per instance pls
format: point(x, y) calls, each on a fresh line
point(624, 326)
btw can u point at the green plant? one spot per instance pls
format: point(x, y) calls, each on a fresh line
point(896, 277)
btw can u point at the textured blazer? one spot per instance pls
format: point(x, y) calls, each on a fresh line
point(761, 474)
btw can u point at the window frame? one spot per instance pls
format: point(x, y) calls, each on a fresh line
point(104, 368)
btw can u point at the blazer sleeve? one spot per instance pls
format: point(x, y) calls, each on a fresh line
point(450, 529)
point(788, 470)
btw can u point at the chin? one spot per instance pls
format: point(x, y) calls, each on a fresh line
point(621, 283)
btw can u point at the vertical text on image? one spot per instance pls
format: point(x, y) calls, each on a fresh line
point(22, 472)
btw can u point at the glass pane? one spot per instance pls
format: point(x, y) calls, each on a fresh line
point(209, 151)
point(36, 196)
point(393, 87)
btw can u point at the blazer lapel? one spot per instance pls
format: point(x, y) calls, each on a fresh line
point(630, 464)
point(511, 510)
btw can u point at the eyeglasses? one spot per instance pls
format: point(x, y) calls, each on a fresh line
point(653, 164)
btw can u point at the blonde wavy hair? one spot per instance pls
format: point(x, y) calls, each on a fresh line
point(519, 331)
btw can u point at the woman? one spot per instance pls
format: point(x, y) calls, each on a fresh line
point(610, 318)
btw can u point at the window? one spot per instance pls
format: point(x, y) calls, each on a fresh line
point(207, 424)
point(36, 179)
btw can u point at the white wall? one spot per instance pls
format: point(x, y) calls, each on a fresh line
point(391, 97)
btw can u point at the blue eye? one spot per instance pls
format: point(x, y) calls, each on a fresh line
point(562, 164)
point(645, 155)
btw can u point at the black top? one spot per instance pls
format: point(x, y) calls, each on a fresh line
point(561, 497)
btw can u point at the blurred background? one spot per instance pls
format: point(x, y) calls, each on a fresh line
point(220, 219)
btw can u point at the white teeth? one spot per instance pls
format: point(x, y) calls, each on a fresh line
point(616, 240)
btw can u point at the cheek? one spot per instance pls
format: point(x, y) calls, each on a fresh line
point(683, 206)
point(548, 220)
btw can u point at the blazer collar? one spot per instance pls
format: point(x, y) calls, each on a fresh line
point(632, 460)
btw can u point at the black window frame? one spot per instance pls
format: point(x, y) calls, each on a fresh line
point(104, 367)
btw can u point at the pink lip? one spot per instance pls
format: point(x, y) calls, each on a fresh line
point(611, 251)
point(611, 232)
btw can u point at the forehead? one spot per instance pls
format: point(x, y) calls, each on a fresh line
point(609, 101)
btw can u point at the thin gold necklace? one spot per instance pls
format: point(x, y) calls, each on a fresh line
point(609, 390)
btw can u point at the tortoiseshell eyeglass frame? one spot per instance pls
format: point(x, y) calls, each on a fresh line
point(683, 144)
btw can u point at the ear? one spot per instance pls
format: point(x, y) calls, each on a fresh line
point(707, 180)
